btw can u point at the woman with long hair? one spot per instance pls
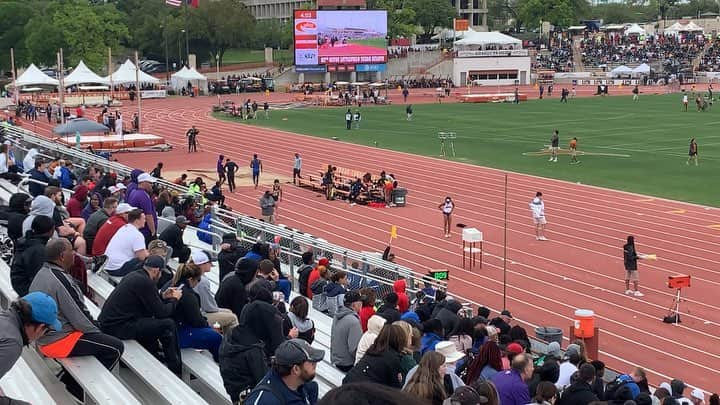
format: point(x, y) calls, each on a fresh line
point(193, 329)
point(545, 393)
point(407, 361)
point(487, 389)
point(368, 306)
point(486, 364)
point(297, 317)
point(427, 382)
point(93, 205)
point(381, 362)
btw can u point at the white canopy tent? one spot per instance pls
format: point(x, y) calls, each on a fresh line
point(634, 29)
point(83, 75)
point(620, 71)
point(126, 75)
point(180, 79)
point(485, 40)
point(692, 27)
point(35, 77)
point(642, 69)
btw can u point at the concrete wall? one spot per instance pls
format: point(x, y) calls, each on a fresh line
point(521, 64)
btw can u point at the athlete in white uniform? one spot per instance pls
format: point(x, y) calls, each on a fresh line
point(447, 208)
point(537, 206)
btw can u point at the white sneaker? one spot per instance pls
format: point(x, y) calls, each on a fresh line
point(543, 238)
point(550, 160)
point(639, 294)
point(555, 160)
point(628, 292)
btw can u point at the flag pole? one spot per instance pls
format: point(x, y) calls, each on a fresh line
point(137, 89)
point(14, 76)
point(505, 247)
point(61, 91)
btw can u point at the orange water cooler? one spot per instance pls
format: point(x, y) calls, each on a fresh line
point(583, 328)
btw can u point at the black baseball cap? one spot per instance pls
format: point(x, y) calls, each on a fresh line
point(352, 296)
point(297, 351)
point(507, 313)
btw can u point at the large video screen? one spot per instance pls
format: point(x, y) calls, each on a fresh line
point(340, 37)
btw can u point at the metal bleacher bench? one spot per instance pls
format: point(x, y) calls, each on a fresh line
point(15, 385)
point(196, 363)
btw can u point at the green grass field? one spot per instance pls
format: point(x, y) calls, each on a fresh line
point(376, 42)
point(237, 56)
point(653, 132)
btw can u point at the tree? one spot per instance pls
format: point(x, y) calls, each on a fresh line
point(218, 25)
point(431, 14)
point(557, 12)
point(662, 6)
point(272, 33)
point(400, 17)
point(12, 31)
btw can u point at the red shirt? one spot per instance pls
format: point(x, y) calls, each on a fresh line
point(365, 313)
point(74, 208)
point(105, 233)
point(313, 277)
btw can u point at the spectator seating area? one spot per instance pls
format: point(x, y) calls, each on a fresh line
point(710, 61)
point(559, 58)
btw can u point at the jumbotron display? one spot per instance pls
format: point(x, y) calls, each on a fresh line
point(340, 37)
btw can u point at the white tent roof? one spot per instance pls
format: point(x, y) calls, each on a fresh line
point(691, 26)
point(644, 68)
point(35, 77)
point(620, 70)
point(82, 74)
point(483, 38)
point(188, 74)
point(677, 27)
point(126, 74)
point(635, 29)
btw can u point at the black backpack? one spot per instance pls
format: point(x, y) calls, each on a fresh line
point(303, 276)
point(616, 389)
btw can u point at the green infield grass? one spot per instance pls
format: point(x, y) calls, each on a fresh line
point(634, 146)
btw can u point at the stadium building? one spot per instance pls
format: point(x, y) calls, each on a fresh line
point(490, 58)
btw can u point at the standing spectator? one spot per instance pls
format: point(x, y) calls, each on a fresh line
point(79, 336)
point(140, 198)
point(297, 167)
point(381, 363)
point(580, 392)
point(426, 382)
point(630, 258)
point(503, 322)
point(230, 170)
point(127, 246)
point(319, 299)
point(511, 385)
point(598, 385)
point(388, 309)
point(243, 362)
point(375, 325)
point(110, 228)
point(173, 235)
point(537, 206)
point(29, 254)
point(346, 332)
point(28, 319)
point(267, 207)
point(290, 379)
point(135, 310)
point(297, 317)
point(97, 219)
point(193, 329)
point(678, 387)
point(231, 292)
point(315, 275)
point(216, 316)
point(399, 287)
point(462, 335)
point(264, 317)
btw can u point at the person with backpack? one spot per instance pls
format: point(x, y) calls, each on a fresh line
point(622, 388)
point(315, 274)
point(319, 299)
point(580, 392)
point(290, 379)
point(304, 273)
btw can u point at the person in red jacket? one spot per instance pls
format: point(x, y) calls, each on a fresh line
point(108, 229)
point(76, 203)
point(368, 306)
point(403, 300)
point(315, 275)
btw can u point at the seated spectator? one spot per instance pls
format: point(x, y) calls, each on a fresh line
point(678, 387)
point(367, 393)
point(388, 309)
point(79, 335)
point(231, 292)
point(335, 291)
point(427, 381)
point(193, 329)
point(230, 253)
point(368, 308)
point(411, 350)
point(243, 362)
point(291, 376)
point(303, 273)
point(127, 247)
point(216, 316)
point(173, 235)
point(568, 367)
point(346, 332)
point(40, 206)
point(264, 317)
point(399, 287)
point(375, 325)
point(39, 174)
point(382, 362)
point(545, 393)
point(548, 371)
point(315, 274)
point(29, 254)
point(135, 310)
point(77, 201)
point(93, 205)
point(432, 335)
point(580, 392)
point(319, 299)
point(297, 317)
point(65, 225)
point(30, 160)
point(462, 335)
point(108, 229)
point(28, 319)
point(140, 198)
point(503, 322)
point(97, 219)
point(598, 385)
point(511, 385)
point(18, 210)
point(216, 194)
point(486, 364)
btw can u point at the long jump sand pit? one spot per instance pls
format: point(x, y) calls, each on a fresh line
point(243, 177)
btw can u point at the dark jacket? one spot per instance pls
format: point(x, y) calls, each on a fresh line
point(29, 258)
point(598, 388)
point(265, 321)
point(242, 361)
point(384, 368)
point(135, 297)
point(630, 257)
point(16, 215)
point(231, 292)
point(36, 189)
point(96, 220)
point(577, 394)
point(448, 316)
point(173, 235)
point(228, 258)
point(187, 310)
point(306, 393)
point(391, 314)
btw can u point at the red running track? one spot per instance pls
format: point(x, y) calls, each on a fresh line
point(580, 267)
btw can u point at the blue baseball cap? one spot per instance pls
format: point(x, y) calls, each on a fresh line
point(44, 309)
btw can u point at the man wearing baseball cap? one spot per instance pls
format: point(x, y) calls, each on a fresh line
point(97, 219)
point(140, 198)
point(290, 380)
point(346, 332)
point(27, 320)
point(214, 314)
point(173, 235)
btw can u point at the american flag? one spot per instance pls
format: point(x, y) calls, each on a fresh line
point(178, 3)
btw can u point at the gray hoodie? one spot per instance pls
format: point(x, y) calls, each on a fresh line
point(267, 205)
point(344, 337)
point(41, 205)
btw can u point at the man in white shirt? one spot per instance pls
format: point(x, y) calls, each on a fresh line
point(568, 368)
point(537, 206)
point(297, 166)
point(127, 247)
